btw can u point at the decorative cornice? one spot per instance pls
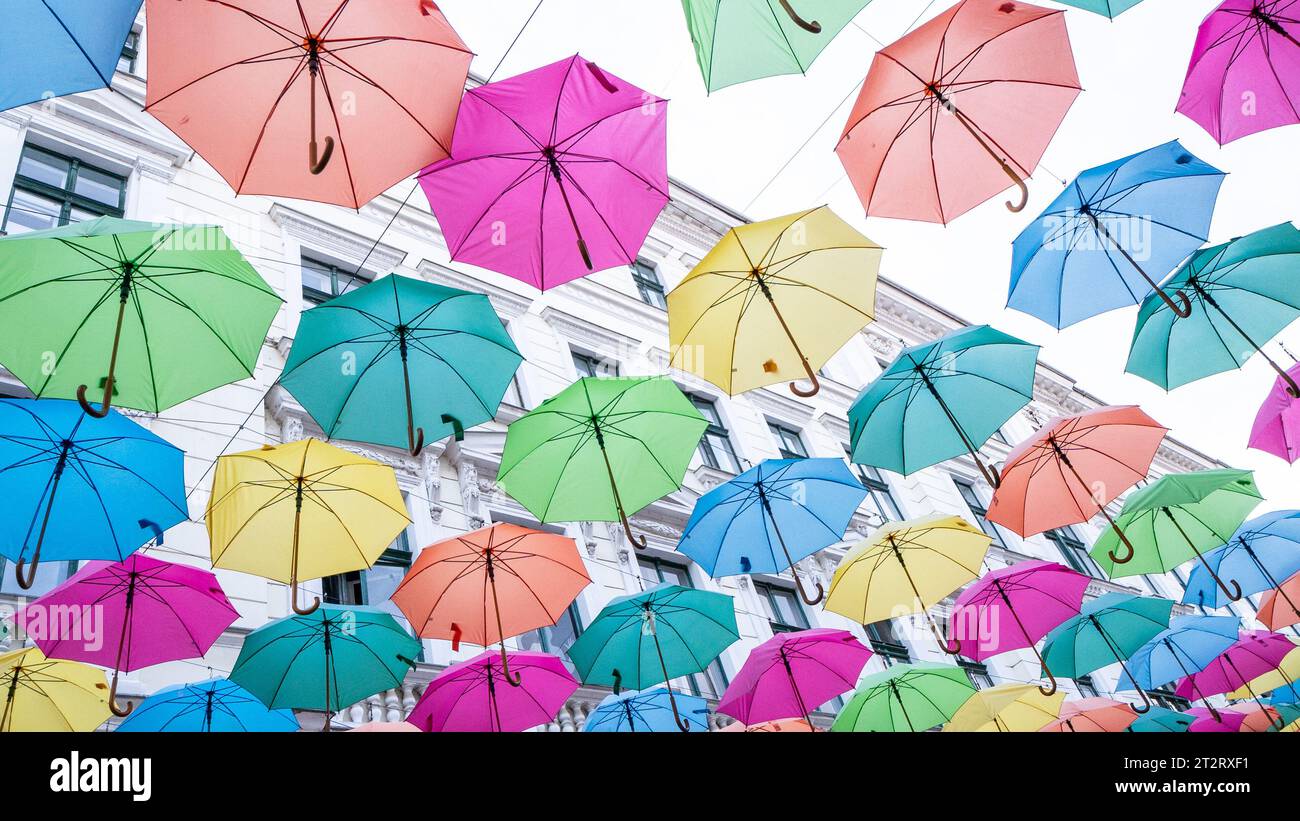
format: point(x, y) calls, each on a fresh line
point(329, 239)
point(599, 340)
point(508, 304)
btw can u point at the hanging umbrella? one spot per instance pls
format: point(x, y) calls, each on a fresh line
point(60, 47)
point(148, 611)
point(600, 450)
point(385, 727)
point(1108, 630)
point(797, 505)
point(1210, 720)
point(555, 173)
point(1277, 423)
point(151, 315)
point(325, 660)
point(1255, 653)
point(1162, 720)
point(1265, 719)
point(217, 705)
point(1093, 715)
point(1110, 8)
point(302, 510)
point(783, 725)
point(939, 400)
point(1263, 552)
point(1242, 76)
point(1187, 646)
point(653, 637)
point(791, 674)
point(908, 567)
point(738, 42)
point(1007, 708)
point(50, 695)
point(238, 80)
point(1080, 257)
point(531, 577)
point(78, 488)
point(1246, 297)
point(465, 698)
point(443, 349)
point(955, 109)
point(1069, 470)
point(1178, 517)
point(1280, 681)
point(807, 278)
point(1276, 608)
point(647, 711)
point(908, 698)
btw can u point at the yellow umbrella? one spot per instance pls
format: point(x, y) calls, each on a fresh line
point(907, 567)
point(773, 301)
point(1285, 675)
point(302, 510)
point(50, 695)
point(1007, 708)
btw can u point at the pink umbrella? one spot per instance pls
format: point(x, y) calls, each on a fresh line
point(1245, 71)
point(474, 697)
point(1255, 653)
point(553, 174)
point(130, 614)
point(1215, 721)
point(790, 673)
point(1277, 425)
point(385, 727)
point(1013, 607)
point(1093, 715)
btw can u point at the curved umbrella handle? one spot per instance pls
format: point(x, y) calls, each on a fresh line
point(810, 26)
point(1234, 594)
point(414, 439)
point(1128, 557)
point(618, 682)
point(513, 679)
point(682, 724)
point(104, 407)
point(120, 712)
point(317, 163)
point(1182, 310)
point(1050, 689)
point(26, 580)
point(809, 600)
point(812, 377)
point(639, 542)
point(1292, 389)
point(950, 646)
point(1013, 207)
point(457, 429)
point(1146, 703)
point(293, 600)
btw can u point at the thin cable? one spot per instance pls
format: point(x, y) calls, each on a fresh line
point(518, 34)
point(380, 238)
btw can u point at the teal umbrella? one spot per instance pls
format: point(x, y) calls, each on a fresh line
point(907, 698)
point(443, 350)
point(1242, 294)
point(1110, 8)
point(1162, 720)
point(943, 399)
point(653, 637)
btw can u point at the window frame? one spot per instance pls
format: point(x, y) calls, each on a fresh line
point(979, 511)
point(1074, 550)
point(648, 283)
point(314, 297)
point(588, 365)
point(889, 648)
point(66, 197)
point(717, 429)
point(131, 53)
point(768, 591)
point(786, 434)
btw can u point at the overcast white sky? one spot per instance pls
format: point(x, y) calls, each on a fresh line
point(730, 144)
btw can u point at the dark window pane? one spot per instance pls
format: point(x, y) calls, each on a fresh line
point(44, 167)
point(648, 284)
point(980, 512)
point(99, 186)
point(788, 441)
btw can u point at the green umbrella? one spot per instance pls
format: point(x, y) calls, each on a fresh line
point(444, 350)
point(1110, 8)
point(905, 698)
point(151, 314)
point(601, 449)
point(653, 637)
point(1242, 293)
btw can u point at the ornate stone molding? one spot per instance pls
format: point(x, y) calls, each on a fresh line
point(599, 340)
point(508, 304)
point(326, 238)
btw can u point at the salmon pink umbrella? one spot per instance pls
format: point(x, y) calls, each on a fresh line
point(791, 674)
point(1254, 654)
point(782, 725)
point(1277, 424)
point(470, 697)
point(1277, 609)
point(1093, 715)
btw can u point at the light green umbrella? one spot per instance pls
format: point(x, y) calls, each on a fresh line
point(1109, 8)
point(907, 698)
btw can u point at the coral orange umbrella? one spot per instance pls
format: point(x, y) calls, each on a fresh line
point(1093, 715)
point(781, 725)
point(1277, 608)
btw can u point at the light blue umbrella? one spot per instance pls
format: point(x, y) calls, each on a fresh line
point(217, 705)
point(1290, 694)
point(1263, 553)
point(1162, 720)
point(647, 711)
point(1189, 646)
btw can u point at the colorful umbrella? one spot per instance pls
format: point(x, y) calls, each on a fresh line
point(641, 431)
point(1188, 645)
point(809, 278)
point(385, 727)
point(954, 109)
point(1277, 424)
point(1210, 720)
point(302, 510)
point(150, 314)
point(1080, 257)
point(1242, 77)
point(1265, 719)
point(217, 705)
point(1093, 715)
point(1246, 297)
point(791, 674)
point(686, 630)
point(50, 695)
point(146, 611)
point(1034, 596)
point(1277, 607)
point(647, 711)
point(444, 349)
point(77, 487)
point(1279, 682)
point(1110, 8)
point(797, 505)
point(1254, 654)
point(465, 697)
point(554, 173)
point(905, 698)
point(942, 399)
point(1263, 551)
point(784, 725)
point(1007, 708)
point(238, 80)
point(1162, 720)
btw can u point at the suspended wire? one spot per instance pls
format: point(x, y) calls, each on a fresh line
point(518, 34)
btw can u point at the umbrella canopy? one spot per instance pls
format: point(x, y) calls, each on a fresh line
point(469, 697)
point(908, 698)
point(217, 705)
point(784, 725)
point(239, 81)
point(1260, 555)
point(150, 315)
point(1210, 720)
point(601, 449)
point(1093, 715)
point(646, 711)
point(771, 516)
point(774, 301)
point(1007, 708)
point(385, 727)
point(791, 674)
point(1110, 8)
point(1241, 296)
point(554, 173)
point(1162, 720)
point(941, 399)
point(443, 349)
point(1280, 682)
point(50, 695)
point(957, 109)
point(1081, 256)
point(1276, 429)
point(302, 510)
point(1265, 719)
point(1187, 646)
point(77, 487)
point(1243, 74)
point(1255, 653)
point(1276, 608)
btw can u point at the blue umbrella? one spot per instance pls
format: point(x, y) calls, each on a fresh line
point(77, 488)
point(58, 47)
point(647, 711)
point(1162, 720)
point(1290, 694)
point(1187, 647)
point(771, 516)
point(217, 705)
point(1263, 553)
point(1112, 234)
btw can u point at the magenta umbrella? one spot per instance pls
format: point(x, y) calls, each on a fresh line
point(475, 696)
point(1255, 653)
point(1215, 721)
point(553, 174)
point(130, 614)
point(1277, 424)
point(1013, 607)
point(790, 673)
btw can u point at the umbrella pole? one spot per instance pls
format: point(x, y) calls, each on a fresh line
point(639, 542)
point(1191, 680)
point(1277, 722)
point(1065, 460)
point(1273, 25)
point(821, 591)
point(807, 369)
point(902, 708)
point(1235, 593)
point(810, 26)
point(554, 164)
point(414, 435)
point(1291, 387)
point(627, 708)
point(1184, 310)
point(682, 725)
point(948, 646)
point(1050, 689)
point(492, 698)
point(6, 718)
point(989, 472)
point(128, 272)
point(1267, 575)
point(329, 653)
point(207, 714)
point(514, 680)
point(1015, 208)
point(121, 645)
point(26, 580)
point(1114, 649)
point(293, 571)
point(794, 688)
point(316, 162)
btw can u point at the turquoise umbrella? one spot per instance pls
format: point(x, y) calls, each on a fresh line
point(1110, 8)
point(1162, 720)
point(942, 399)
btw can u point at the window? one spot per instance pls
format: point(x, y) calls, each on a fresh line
point(782, 606)
point(588, 365)
point(715, 447)
point(977, 673)
point(48, 576)
point(712, 683)
point(649, 284)
point(788, 441)
point(1074, 551)
point(557, 639)
point(879, 498)
point(130, 53)
point(322, 281)
point(1086, 688)
point(887, 644)
point(51, 190)
point(376, 585)
point(1167, 698)
point(980, 512)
